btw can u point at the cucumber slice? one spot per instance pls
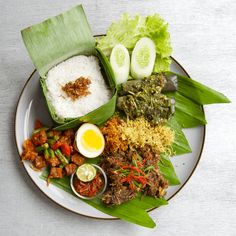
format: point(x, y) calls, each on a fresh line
point(143, 58)
point(120, 62)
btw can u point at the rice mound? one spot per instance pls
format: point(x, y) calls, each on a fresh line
point(69, 71)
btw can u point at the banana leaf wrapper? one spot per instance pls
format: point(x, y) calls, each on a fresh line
point(57, 39)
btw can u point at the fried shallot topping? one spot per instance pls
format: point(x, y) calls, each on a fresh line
point(78, 88)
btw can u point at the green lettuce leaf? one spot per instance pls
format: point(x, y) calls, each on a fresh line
point(128, 30)
point(161, 64)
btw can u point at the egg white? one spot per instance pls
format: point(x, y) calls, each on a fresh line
point(79, 145)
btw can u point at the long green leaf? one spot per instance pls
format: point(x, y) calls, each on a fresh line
point(180, 145)
point(127, 211)
point(168, 171)
point(107, 67)
point(198, 92)
point(185, 120)
point(133, 211)
point(58, 38)
point(187, 112)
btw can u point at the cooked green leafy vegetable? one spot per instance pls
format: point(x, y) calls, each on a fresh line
point(144, 97)
point(128, 30)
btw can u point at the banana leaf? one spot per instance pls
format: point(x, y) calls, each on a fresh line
point(180, 144)
point(134, 211)
point(57, 39)
point(168, 171)
point(187, 113)
point(190, 97)
point(198, 92)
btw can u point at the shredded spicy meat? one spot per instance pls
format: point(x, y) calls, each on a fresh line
point(131, 172)
point(78, 88)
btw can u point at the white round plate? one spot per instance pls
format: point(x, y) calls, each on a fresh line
point(32, 106)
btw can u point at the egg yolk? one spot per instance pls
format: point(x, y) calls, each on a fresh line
point(92, 140)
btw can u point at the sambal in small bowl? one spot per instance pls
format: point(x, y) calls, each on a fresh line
point(89, 181)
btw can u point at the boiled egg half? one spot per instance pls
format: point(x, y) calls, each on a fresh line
point(89, 140)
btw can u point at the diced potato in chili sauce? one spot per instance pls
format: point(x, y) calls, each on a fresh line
point(77, 159)
point(44, 147)
point(70, 168)
point(56, 172)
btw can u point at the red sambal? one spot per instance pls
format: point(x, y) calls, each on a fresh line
point(89, 189)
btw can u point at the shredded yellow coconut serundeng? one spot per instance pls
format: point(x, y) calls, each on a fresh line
point(140, 132)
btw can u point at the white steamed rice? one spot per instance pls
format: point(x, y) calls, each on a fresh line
point(69, 71)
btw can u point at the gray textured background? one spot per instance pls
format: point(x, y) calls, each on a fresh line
point(204, 41)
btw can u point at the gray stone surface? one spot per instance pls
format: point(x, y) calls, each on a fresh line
point(204, 41)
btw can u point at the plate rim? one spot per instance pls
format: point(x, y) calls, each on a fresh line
point(94, 217)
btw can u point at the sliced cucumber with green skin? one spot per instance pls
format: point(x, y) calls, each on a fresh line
point(143, 58)
point(120, 63)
